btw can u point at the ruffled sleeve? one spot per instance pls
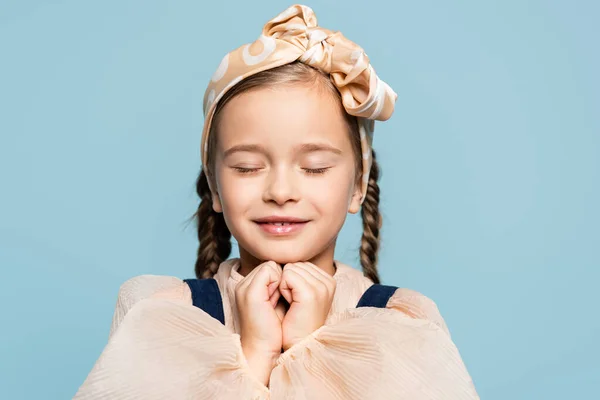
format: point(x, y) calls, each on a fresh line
point(403, 351)
point(163, 347)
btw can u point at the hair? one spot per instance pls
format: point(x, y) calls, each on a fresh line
point(213, 234)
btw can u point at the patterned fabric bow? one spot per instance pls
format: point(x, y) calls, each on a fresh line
point(294, 35)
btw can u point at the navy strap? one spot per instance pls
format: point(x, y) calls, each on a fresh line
point(206, 296)
point(377, 296)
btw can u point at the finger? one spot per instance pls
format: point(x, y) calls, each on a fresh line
point(242, 287)
point(319, 274)
point(316, 281)
point(266, 277)
point(272, 288)
point(293, 286)
point(271, 265)
point(275, 298)
point(274, 294)
point(270, 274)
point(278, 269)
point(312, 267)
point(285, 287)
point(312, 271)
point(285, 290)
point(267, 264)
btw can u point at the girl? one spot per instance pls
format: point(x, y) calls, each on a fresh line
point(286, 154)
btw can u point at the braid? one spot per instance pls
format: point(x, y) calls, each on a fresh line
point(372, 221)
point(213, 234)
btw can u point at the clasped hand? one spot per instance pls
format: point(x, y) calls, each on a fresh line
point(266, 327)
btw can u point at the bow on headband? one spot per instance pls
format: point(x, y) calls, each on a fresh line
point(294, 35)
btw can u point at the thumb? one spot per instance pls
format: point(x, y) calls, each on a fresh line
point(286, 287)
point(273, 292)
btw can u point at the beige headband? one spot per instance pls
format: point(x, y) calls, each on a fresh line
point(294, 35)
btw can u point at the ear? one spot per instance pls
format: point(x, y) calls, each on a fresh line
point(354, 205)
point(216, 204)
point(216, 200)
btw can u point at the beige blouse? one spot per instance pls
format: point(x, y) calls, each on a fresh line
point(162, 347)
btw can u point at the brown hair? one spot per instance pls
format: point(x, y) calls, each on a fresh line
point(214, 235)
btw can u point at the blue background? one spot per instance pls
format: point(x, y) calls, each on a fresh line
point(490, 185)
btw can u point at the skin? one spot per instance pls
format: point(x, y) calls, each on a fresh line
point(278, 176)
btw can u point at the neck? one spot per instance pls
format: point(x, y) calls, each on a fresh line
point(323, 260)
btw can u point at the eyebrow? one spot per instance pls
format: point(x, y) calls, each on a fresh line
point(303, 148)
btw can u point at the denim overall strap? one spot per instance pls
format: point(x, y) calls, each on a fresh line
point(376, 296)
point(206, 296)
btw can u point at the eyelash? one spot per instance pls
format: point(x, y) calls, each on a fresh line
point(315, 171)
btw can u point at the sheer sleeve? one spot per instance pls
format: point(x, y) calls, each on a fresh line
point(403, 351)
point(162, 347)
point(142, 287)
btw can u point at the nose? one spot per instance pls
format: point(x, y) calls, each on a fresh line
point(281, 186)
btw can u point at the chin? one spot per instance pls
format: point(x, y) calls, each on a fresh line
point(286, 260)
point(283, 256)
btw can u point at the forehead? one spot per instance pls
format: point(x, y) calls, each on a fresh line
point(283, 117)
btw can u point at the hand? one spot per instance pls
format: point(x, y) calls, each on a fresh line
point(256, 298)
point(309, 290)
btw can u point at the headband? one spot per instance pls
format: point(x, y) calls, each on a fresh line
point(294, 35)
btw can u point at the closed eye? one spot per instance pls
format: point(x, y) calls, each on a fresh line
point(316, 171)
point(245, 170)
point(311, 171)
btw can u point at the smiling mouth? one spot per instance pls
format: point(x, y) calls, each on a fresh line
point(281, 228)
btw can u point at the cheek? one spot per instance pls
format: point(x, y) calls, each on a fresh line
point(331, 195)
point(237, 194)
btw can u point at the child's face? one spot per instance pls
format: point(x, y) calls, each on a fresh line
point(275, 179)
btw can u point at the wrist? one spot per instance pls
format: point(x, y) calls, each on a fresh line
point(300, 341)
point(259, 347)
point(260, 352)
point(260, 362)
point(293, 338)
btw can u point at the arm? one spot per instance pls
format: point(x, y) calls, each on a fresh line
point(132, 291)
point(142, 287)
point(163, 347)
point(417, 306)
point(260, 364)
point(402, 351)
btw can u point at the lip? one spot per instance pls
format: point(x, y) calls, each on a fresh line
point(279, 218)
point(282, 230)
point(293, 226)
